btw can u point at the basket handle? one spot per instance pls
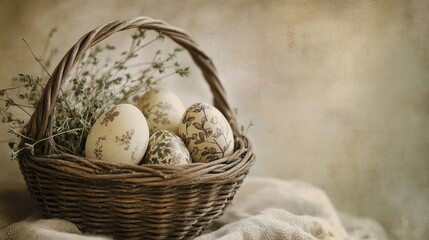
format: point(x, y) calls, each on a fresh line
point(40, 127)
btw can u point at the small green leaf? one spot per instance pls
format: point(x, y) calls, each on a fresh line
point(11, 145)
point(160, 36)
point(110, 47)
point(212, 150)
point(189, 121)
point(198, 126)
point(202, 136)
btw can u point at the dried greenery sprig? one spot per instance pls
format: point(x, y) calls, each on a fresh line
point(95, 84)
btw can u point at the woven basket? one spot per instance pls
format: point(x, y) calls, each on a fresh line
point(130, 201)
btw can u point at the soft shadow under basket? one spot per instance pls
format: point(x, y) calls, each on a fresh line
point(130, 201)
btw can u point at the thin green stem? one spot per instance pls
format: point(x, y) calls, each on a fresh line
point(36, 58)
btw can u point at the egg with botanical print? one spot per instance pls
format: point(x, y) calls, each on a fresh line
point(119, 135)
point(162, 109)
point(206, 133)
point(166, 148)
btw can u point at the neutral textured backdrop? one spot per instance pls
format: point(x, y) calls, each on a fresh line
point(338, 91)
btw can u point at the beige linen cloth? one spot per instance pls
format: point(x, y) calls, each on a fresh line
point(264, 208)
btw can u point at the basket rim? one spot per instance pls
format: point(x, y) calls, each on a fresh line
point(84, 169)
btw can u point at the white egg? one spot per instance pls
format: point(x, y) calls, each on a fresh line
point(166, 148)
point(162, 109)
point(120, 135)
point(206, 133)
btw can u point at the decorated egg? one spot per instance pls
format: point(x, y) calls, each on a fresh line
point(166, 148)
point(120, 135)
point(206, 133)
point(162, 109)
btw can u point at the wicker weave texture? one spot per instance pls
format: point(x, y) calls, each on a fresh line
point(130, 201)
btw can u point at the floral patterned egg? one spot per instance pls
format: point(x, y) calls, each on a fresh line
point(166, 148)
point(206, 133)
point(162, 109)
point(120, 135)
